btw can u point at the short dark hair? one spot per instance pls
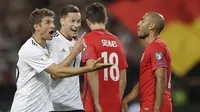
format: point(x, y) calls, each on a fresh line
point(158, 20)
point(37, 15)
point(67, 9)
point(96, 13)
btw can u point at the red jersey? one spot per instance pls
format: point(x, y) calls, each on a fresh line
point(101, 43)
point(156, 55)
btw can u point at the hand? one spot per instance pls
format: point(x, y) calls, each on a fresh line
point(98, 108)
point(97, 66)
point(156, 110)
point(124, 106)
point(79, 45)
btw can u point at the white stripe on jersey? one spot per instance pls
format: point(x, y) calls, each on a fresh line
point(33, 83)
point(65, 92)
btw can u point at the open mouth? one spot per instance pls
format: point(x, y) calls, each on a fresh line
point(51, 32)
point(74, 29)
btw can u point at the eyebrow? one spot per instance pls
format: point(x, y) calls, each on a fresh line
point(49, 20)
point(75, 18)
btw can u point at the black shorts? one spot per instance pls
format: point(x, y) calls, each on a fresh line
point(70, 111)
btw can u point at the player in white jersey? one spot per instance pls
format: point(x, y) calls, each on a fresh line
point(36, 67)
point(66, 98)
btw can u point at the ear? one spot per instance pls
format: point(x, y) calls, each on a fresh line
point(62, 21)
point(151, 26)
point(88, 22)
point(36, 27)
point(106, 20)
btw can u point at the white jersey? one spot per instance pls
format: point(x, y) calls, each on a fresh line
point(65, 92)
point(32, 94)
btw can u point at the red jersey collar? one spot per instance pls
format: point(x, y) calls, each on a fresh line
point(103, 30)
point(157, 37)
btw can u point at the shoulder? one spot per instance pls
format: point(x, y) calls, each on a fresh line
point(56, 36)
point(29, 48)
point(158, 44)
point(89, 35)
point(55, 40)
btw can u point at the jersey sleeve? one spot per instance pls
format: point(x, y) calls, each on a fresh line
point(89, 52)
point(123, 63)
point(38, 61)
point(158, 57)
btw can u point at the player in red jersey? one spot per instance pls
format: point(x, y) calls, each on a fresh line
point(104, 89)
point(155, 68)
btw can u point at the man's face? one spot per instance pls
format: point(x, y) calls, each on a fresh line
point(47, 28)
point(71, 23)
point(143, 27)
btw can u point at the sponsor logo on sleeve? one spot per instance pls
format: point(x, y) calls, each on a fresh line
point(86, 54)
point(160, 63)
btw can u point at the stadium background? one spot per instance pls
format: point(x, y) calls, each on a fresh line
point(182, 34)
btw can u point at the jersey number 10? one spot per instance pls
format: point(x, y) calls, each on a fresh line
point(110, 59)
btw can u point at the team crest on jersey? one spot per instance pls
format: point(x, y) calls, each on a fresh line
point(142, 57)
point(159, 55)
point(47, 55)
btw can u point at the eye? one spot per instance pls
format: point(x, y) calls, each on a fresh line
point(79, 21)
point(72, 21)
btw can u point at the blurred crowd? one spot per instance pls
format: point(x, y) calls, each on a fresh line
point(15, 30)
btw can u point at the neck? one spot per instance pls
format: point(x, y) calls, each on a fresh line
point(37, 37)
point(151, 37)
point(97, 26)
point(62, 31)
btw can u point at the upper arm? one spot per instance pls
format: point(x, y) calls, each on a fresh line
point(158, 57)
point(52, 69)
point(122, 58)
point(39, 61)
point(123, 74)
point(122, 61)
point(91, 62)
point(161, 73)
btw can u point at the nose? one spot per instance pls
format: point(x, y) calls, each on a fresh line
point(77, 24)
point(53, 25)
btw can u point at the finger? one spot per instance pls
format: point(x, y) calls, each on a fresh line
point(81, 39)
point(98, 60)
point(83, 35)
point(122, 110)
point(126, 108)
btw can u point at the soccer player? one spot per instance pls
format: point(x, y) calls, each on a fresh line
point(66, 98)
point(103, 90)
point(154, 83)
point(35, 66)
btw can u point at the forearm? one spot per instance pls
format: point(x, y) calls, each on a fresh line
point(133, 94)
point(68, 60)
point(160, 91)
point(71, 71)
point(122, 88)
point(93, 81)
point(122, 83)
